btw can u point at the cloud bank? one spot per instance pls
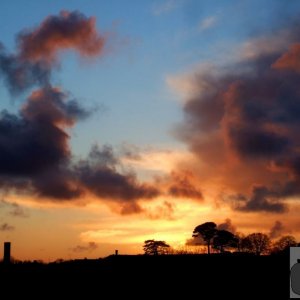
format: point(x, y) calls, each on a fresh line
point(242, 123)
point(35, 153)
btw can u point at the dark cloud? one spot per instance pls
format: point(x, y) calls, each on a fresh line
point(209, 106)
point(103, 157)
point(35, 147)
point(244, 125)
point(257, 144)
point(37, 49)
point(227, 225)
point(68, 30)
point(35, 154)
point(58, 184)
point(19, 75)
point(6, 227)
point(51, 105)
point(277, 230)
point(91, 246)
point(181, 186)
point(164, 211)
point(129, 208)
point(26, 147)
point(34, 144)
point(195, 241)
point(261, 199)
point(100, 175)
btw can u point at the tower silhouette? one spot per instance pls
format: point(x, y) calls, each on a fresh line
point(6, 255)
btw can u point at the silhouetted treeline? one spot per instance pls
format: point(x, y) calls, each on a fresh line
point(223, 241)
point(257, 242)
point(233, 269)
point(204, 276)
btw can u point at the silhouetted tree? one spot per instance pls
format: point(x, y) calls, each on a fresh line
point(246, 245)
point(152, 247)
point(223, 239)
point(257, 243)
point(207, 231)
point(239, 241)
point(284, 243)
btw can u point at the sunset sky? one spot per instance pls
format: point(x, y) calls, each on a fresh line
point(123, 121)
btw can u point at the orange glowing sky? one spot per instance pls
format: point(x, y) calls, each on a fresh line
point(126, 122)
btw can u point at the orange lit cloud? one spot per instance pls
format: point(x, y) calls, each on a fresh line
point(91, 246)
point(289, 60)
point(241, 125)
point(38, 49)
point(68, 30)
point(183, 185)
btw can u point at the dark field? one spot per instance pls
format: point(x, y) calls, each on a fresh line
point(229, 276)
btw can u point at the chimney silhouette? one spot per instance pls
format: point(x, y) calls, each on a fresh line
point(6, 256)
point(116, 252)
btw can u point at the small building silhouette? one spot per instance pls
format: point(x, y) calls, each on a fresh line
point(6, 255)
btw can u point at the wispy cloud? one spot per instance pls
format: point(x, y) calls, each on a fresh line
point(207, 23)
point(159, 161)
point(15, 209)
point(162, 211)
point(166, 7)
point(6, 227)
point(277, 230)
point(91, 246)
point(187, 85)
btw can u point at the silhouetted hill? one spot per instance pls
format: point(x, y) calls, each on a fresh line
point(207, 277)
